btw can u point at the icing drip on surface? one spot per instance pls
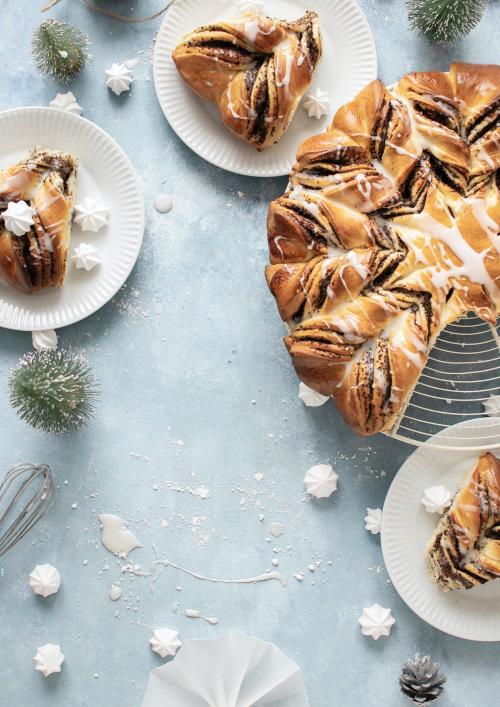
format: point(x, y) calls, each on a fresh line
point(247, 580)
point(162, 203)
point(114, 535)
point(196, 614)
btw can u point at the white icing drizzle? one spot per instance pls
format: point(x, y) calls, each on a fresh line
point(488, 224)
point(284, 50)
point(247, 580)
point(483, 156)
point(472, 267)
point(196, 614)
point(250, 112)
point(401, 336)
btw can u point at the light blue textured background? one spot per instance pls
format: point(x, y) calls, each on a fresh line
point(181, 352)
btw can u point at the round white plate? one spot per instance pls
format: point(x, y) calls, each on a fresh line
point(348, 63)
point(105, 172)
point(407, 527)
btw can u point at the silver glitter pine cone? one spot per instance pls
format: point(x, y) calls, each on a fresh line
point(421, 680)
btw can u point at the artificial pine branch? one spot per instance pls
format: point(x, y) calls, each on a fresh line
point(50, 5)
point(110, 13)
point(59, 49)
point(53, 391)
point(444, 21)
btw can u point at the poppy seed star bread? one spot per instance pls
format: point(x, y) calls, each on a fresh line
point(387, 232)
point(255, 68)
point(36, 207)
point(465, 548)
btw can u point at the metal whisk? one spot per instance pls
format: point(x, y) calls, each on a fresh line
point(26, 492)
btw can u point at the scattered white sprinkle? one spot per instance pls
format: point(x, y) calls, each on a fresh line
point(276, 530)
point(115, 592)
point(202, 492)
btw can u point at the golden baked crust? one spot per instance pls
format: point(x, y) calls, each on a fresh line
point(387, 232)
point(255, 68)
point(46, 181)
point(465, 548)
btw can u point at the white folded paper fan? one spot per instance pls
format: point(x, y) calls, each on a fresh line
point(229, 671)
point(462, 372)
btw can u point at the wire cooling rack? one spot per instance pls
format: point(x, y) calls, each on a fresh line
point(462, 372)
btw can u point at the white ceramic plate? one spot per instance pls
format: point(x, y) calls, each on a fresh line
point(106, 172)
point(407, 527)
point(348, 63)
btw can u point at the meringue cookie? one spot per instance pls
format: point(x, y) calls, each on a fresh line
point(67, 102)
point(18, 217)
point(91, 214)
point(376, 621)
point(165, 642)
point(119, 78)
point(310, 397)
point(115, 537)
point(44, 339)
point(373, 520)
point(317, 104)
point(321, 480)
point(436, 499)
point(48, 659)
point(492, 406)
point(86, 257)
point(45, 580)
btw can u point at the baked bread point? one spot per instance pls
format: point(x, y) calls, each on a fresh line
point(465, 548)
point(388, 231)
point(38, 259)
point(255, 68)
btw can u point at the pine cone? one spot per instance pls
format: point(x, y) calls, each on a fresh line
point(421, 680)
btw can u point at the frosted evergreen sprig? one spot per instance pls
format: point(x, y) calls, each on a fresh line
point(110, 13)
point(444, 21)
point(59, 49)
point(53, 391)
